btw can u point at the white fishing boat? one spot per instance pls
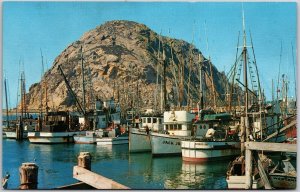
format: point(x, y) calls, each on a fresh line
point(117, 140)
point(139, 138)
point(213, 139)
point(52, 137)
point(28, 125)
point(56, 127)
point(177, 126)
point(107, 117)
point(88, 137)
point(199, 151)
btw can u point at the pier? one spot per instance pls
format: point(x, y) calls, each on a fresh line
point(81, 172)
point(251, 147)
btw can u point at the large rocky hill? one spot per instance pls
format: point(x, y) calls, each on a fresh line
point(121, 59)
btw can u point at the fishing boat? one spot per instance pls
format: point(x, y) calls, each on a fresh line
point(106, 126)
point(113, 140)
point(177, 126)
point(19, 128)
point(283, 175)
point(56, 127)
point(139, 137)
point(27, 124)
point(214, 139)
point(236, 178)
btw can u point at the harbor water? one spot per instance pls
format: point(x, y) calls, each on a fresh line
point(137, 171)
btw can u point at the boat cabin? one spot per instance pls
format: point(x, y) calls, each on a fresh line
point(178, 123)
point(152, 122)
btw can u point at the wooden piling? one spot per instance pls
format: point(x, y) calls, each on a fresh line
point(84, 160)
point(28, 176)
point(248, 168)
point(19, 130)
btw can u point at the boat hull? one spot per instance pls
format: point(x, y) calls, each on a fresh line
point(13, 135)
point(112, 140)
point(82, 139)
point(139, 141)
point(51, 137)
point(197, 151)
point(165, 145)
point(239, 182)
point(280, 181)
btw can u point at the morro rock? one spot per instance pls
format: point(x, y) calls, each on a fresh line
point(122, 59)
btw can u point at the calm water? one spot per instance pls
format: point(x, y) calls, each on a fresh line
point(137, 171)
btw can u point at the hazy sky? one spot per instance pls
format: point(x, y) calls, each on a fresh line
point(31, 26)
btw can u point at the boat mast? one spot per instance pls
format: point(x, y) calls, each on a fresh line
point(79, 107)
point(201, 83)
point(83, 88)
point(21, 90)
point(7, 117)
point(164, 82)
point(157, 73)
point(210, 68)
point(246, 123)
point(190, 71)
point(24, 95)
point(41, 95)
point(279, 73)
point(181, 76)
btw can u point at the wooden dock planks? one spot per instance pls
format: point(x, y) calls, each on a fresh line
point(95, 180)
point(266, 146)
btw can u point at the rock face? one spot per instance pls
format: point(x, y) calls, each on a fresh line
point(124, 60)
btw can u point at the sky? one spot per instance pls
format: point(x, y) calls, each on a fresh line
point(29, 27)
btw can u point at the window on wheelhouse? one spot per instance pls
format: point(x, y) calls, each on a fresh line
point(159, 121)
point(148, 120)
point(154, 120)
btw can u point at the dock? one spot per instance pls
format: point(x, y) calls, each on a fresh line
point(82, 172)
point(253, 147)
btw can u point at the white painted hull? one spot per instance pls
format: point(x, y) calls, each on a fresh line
point(52, 137)
point(112, 140)
point(13, 135)
point(199, 151)
point(239, 182)
point(163, 144)
point(82, 139)
point(139, 141)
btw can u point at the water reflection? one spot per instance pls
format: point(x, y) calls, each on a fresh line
point(137, 171)
point(210, 175)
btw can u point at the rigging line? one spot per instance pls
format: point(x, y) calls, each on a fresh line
point(295, 76)
point(250, 74)
point(234, 71)
point(217, 94)
point(256, 68)
point(233, 68)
